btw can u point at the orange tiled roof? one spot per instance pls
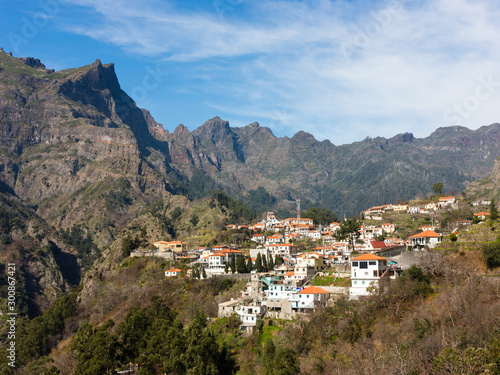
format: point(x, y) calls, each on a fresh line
point(313, 290)
point(369, 257)
point(426, 233)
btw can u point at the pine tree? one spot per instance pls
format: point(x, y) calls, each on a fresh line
point(268, 355)
point(271, 263)
point(264, 264)
point(233, 264)
point(204, 273)
point(258, 263)
point(249, 264)
point(279, 260)
point(241, 267)
point(226, 270)
point(493, 210)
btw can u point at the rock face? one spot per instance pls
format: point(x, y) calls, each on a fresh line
point(488, 187)
point(76, 147)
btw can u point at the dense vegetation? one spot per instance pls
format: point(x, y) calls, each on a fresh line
point(36, 337)
point(237, 211)
point(86, 250)
point(155, 338)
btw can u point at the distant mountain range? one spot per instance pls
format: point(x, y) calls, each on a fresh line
point(76, 149)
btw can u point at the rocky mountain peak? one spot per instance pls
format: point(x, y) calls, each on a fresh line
point(451, 130)
point(181, 129)
point(31, 61)
point(303, 136)
point(402, 138)
point(214, 129)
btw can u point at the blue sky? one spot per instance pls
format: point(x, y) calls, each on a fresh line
point(341, 70)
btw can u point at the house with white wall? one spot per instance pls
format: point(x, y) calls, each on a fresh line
point(173, 272)
point(427, 238)
point(310, 298)
point(366, 271)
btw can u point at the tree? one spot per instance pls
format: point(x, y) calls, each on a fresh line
point(491, 253)
point(279, 260)
point(265, 267)
point(249, 264)
point(98, 351)
point(320, 215)
point(270, 264)
point(241, 267)
point(438, 188)
point(268, 355)
point(493, 210)
point(233, 264)
point(286, 362)
point(226, 270)
point(204, 273)
point(258, 263)
point(349, 230)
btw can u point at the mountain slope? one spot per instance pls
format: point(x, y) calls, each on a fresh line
point(77, 149)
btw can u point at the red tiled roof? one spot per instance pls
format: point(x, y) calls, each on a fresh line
point(378, 244)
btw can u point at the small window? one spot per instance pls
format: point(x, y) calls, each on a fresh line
point(355, 282)
point(354, 264)
point(363, 283)
point(363, 264)
point(372, 263)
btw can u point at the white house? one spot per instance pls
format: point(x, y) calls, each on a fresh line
point(427, 238)
point(279, 292)
point(446, 201)
point(482, 215)
point(366, 271)
point(259, 238)
point(310, 298)
point(249, 314)
point(282, 249)
point(172, 272)
point(219, 259)
point(275, 239)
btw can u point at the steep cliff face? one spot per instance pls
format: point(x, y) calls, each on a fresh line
point(76, 147)
point(488, 187)
point(45, 266)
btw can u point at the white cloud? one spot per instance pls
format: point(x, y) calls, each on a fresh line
point(337, 69)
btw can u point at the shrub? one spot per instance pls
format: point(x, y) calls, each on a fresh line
point(491, 254)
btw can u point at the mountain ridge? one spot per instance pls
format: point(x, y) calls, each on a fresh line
point(86, 111)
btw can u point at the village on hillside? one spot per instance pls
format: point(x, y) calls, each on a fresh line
point(357, 256)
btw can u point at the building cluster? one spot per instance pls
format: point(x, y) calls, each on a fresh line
point(276, 295)
point(442, 203)
point(283, 292)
